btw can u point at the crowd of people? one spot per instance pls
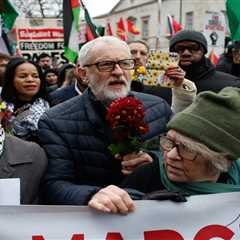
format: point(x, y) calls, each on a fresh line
point(56, 119)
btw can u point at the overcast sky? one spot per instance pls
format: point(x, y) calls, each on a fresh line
point(98, 7)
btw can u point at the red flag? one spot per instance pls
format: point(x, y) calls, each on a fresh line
point(121, 32)
point(109, 31)
point(213, 57)
point(89, 33)
point(132, 28)
point(177, 26)
point(174, 26)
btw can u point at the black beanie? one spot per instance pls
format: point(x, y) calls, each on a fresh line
point(189, 35)
point(214, 120)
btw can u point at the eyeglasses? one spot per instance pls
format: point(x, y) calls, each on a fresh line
point(190, 48)
point(184, 152)
point(109, 66)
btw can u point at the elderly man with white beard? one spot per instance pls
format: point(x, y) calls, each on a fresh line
point(76, 135)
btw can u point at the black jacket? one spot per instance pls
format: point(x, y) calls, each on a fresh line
point(76, 137)
point(159, 91)
point(62, 94)
point(206, 77)
point(225, 64)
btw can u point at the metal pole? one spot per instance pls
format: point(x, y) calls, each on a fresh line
point(159, 23)
point(180, 12)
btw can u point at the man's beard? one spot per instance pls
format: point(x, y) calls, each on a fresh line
point(106, 95)
point(194, 69)
point(194, 64)
point(187, 67)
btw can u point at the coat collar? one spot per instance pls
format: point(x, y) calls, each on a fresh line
point(14, 153)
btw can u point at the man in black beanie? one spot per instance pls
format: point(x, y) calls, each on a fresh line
point(192, 47)
point(184, 90)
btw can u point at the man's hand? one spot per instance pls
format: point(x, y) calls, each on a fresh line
point(133, 160)
point(176, 74)
point(112, 199)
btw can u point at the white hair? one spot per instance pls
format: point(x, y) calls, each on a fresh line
point(85, 51)
point(216, 161)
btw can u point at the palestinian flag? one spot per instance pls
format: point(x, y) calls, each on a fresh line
point(91, 27)
point(78, 28)
point(8, 15)
point(71, 17)
point(93, 31)
point(5, 46)
point(233, 14)
point(173, 25)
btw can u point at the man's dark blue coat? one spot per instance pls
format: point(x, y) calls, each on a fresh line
point(76, 136)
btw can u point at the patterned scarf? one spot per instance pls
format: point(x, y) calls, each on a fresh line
point(24, 123)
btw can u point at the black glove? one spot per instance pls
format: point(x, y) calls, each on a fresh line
point(166, 195)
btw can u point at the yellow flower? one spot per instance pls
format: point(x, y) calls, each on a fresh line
point(134, 78)
point(155, 74)
point(141, 70)
point(153, 65)
point(3, 106)
point(158, 56)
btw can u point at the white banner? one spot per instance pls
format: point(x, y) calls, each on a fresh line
point(35, 36)
point(204, 217)
point(214, 30)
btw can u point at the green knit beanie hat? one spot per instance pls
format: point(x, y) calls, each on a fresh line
point(214, 120)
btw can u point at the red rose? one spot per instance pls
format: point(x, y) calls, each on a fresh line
point(126, 118)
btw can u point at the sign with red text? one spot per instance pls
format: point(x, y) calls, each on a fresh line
point(204, 217)
point(35, 36)
point(215, 30)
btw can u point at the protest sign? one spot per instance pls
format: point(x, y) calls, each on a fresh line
point(203, 217)
point(214, 30)
point(35, 36)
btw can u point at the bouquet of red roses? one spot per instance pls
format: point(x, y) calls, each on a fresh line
point(126, 118)
point(6, 111)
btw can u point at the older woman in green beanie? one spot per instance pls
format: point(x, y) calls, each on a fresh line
point(201, 150)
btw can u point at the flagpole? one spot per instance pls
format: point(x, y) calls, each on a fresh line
point(89, 20)
point(159, 23)
point(180, 12)
point(81, 2)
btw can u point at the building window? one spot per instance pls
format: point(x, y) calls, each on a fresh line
point(189, 21)
point(145, 28)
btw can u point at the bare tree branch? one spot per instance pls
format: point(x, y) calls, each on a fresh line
point(40, 8)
